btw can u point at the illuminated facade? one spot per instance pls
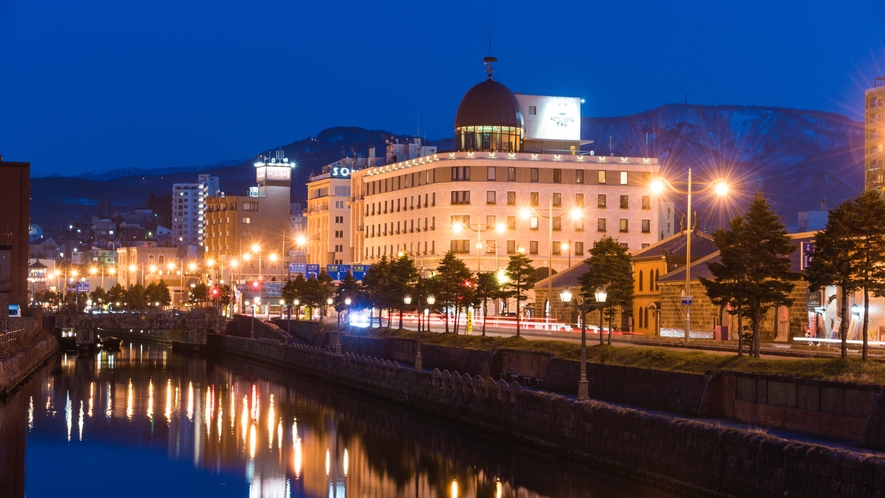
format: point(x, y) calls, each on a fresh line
point(874, 136)
point(250, 236)
point(188, 209)
point(504, 191)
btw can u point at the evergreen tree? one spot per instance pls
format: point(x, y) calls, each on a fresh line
point(759, 256)
point(403, 275)
point(610, 266)
point(452, 273)
point(733, 285)
point(868, 227)
point(487, 287)
point(521, 277)
point(376, 281)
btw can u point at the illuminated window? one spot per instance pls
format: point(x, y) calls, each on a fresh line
point(600, 201)
point(579, 176)
point(625, 202)
point(557, 199)
point(460, 246)
point(490, 174)
point(533, 247)
point(490, 197)
point(534, 175)
point(600, 225)
point(533, 223)
point(579, 200)
point(646, 202)
point(511, 174)
point(460, 197)
point(533, 198)
point(623, 226)
point(511, 198)
point(601, 178)
point(623, 178)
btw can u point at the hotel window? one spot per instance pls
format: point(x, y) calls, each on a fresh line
point(624, 246)
point(625, 202)
point(579, 176)
point(247, 220)
point(339, 219)
point(433, 199)
point(461, 218)
point(623, 178)
point(511, 174)
point(461, 246)
point(533, 247)
point(533, 223)
point(579, 200)
point(460, 173)
point(460, 197)
point(579, 248)
point(557, 199)
point(533, 198)
point(601, 178)
point(646, 226)
point(490, 197)
point(534, 177)
point(557, 176)
point(511, 247)
point(339, 234)
point(579, 224)
point(533, 110)
point(490, 221)
point(623, 226)
point(511, 198)
point(557, 223)
point(646, 202)
point(600, 225)
point(491, 246)
point(511, 223)
point(490, 174)
point(557, 248)
point(600, 201)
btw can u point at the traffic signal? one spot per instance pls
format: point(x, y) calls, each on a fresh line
point(256, 284)
point(215, 292)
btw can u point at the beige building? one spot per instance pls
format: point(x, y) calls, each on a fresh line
point(874, 136)
point(513, 184)
point(250, 236)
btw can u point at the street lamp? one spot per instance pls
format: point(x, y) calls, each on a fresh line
point(601, 296)
point(576, 214)
point(721, 189)
point(255, 302)
point(419, 362)
point(582, 306)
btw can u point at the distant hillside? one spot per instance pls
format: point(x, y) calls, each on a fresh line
point(797, 157)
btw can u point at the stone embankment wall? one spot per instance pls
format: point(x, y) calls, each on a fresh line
point(688, 456)
point(13, 371)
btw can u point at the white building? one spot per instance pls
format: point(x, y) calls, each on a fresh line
point(513, 184)
point(188, 210)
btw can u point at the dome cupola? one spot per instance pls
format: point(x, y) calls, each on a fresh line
point(489, 118)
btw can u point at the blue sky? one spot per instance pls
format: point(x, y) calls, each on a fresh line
point(104, 84)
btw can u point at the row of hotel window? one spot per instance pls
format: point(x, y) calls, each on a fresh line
point(463, 247)
point(383, 229)
point(462, 174)
point(462, 197)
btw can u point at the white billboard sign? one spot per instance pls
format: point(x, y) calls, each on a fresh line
point(551, 118)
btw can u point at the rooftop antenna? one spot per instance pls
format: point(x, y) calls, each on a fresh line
point(610, 146)
point(487, 61)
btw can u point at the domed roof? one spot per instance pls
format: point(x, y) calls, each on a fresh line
point(489, 104)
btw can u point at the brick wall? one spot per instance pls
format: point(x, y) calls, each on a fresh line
point(684, 455)
point(805, 405)
point(15, 370)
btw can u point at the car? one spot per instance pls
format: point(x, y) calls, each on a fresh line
point(15, 311)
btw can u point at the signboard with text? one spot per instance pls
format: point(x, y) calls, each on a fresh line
point(807, 252)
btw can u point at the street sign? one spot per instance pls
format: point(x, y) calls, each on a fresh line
point(359, 271)
point(313, 271)
point(686, 300)
point(83, 287)
point(296, 268)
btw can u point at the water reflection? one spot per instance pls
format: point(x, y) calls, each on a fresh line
point(248, 431)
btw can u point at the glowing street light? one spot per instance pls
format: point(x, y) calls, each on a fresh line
point(720, 187)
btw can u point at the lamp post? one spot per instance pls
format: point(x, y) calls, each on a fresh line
point(601, 296)
point(255, 302)
point(582, 306)
point(576, 215)
point(419, 363)
point(721, 188)
point(337, 334)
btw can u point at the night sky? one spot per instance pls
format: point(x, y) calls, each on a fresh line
point(87, 86)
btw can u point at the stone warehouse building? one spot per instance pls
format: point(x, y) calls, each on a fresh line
point(808, 308)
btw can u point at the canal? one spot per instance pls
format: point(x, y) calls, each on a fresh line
point(147, 422)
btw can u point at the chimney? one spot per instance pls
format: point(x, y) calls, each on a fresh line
point(823, 205)
point(371, 156)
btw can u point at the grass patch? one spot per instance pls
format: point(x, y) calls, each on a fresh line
point(696, 362)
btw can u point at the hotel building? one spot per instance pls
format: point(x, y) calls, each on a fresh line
point(250, 236)
point(188, 209)
point(874, 134)
point(517, 181)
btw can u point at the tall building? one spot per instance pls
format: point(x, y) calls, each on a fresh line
point(874, 136)
point(517, 181)
point(328, 202)
point(189, 207)
point(250, 236)
point(14, 230)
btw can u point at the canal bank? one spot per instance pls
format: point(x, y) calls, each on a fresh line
point(691, 456)
point(16, 370)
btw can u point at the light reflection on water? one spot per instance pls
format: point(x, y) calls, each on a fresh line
point(334, 444)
